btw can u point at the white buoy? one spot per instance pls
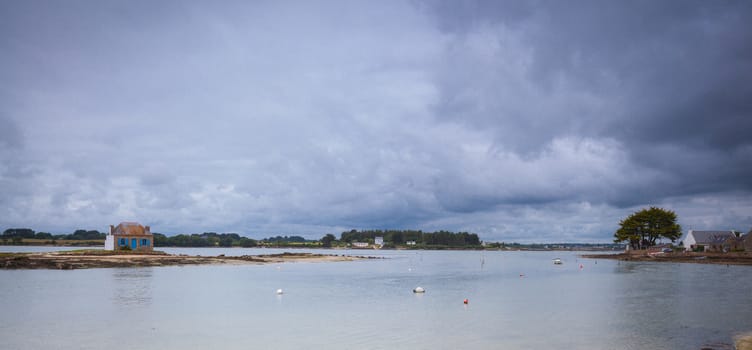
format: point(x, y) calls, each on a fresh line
point(419, 290)
point(279, 291)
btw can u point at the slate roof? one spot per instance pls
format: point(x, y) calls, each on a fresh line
point(712, 237)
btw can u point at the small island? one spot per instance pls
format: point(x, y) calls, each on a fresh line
point(93, 258)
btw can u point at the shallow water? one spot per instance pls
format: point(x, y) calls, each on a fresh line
point(517, 300)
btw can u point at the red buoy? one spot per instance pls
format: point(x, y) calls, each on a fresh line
point(465, 301)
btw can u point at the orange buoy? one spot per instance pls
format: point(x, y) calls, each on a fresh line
point(464, 301)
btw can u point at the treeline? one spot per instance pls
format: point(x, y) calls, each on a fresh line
point(414, 237)
point(392, 238)
point(285, 239)
point(206, 239)
point(16, 235)
point(213, 239)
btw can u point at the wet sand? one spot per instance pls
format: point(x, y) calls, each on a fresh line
point(102, 259)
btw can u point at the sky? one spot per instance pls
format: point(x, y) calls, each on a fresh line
point(524, 121)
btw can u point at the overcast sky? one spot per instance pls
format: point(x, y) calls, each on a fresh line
point(528, 121)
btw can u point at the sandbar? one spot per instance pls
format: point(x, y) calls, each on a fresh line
point(86, 259)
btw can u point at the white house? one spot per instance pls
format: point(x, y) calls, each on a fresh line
point(708, 240)
point(379, 241)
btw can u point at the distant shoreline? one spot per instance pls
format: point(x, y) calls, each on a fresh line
point(733, 258)
point(85, 259)
point(534, 247)
point(570, 247)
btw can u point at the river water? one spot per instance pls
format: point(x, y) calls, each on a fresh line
point(516, 300)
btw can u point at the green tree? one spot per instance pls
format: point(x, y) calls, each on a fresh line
point(225, 242)
point(643, 228)
point(160, 240)
point(43, 235)
point(247, 242)
point(19, 232)
point(327, 240)
point(84, 234)
point(397, 237)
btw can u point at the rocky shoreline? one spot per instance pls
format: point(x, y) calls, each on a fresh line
point(740, 258)
point(87, 259)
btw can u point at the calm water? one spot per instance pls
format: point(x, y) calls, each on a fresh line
point(370, 305)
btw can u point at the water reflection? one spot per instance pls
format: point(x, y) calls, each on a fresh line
point(665, 305)
point(625, 267)
point(133, 287)
point(369, 304)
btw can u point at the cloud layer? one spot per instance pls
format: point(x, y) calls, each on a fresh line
point(535, 121)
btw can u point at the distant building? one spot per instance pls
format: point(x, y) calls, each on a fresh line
point(733, 244)
point(708, 241)
point(360, 244)
point(129, 236)
point(379, 241)
point(410, 242)
point(747, 241)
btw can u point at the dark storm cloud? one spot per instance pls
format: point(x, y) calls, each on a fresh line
point(532, 121)
point(670, 81)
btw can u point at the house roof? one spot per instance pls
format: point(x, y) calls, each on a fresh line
point(711, 237)
point(131, 228)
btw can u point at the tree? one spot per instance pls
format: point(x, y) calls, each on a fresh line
point(84, 234)
point(43, 235)
point(643, 228)
point(19, 232)
point(246, 242)
point(326, 241)
point(160, 240)
point(225, 242)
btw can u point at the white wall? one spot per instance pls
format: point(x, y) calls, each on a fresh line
point(689, 241)
point(109, 242)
